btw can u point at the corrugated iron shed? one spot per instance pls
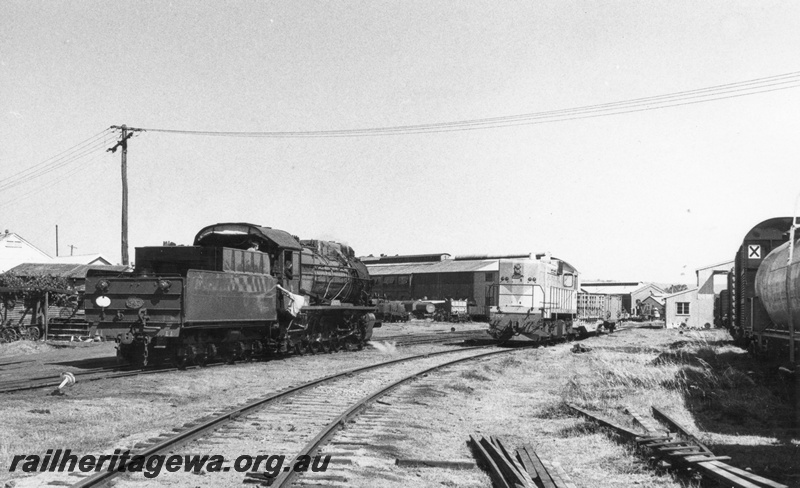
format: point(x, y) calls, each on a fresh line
point(447, 266)
point(609, 289)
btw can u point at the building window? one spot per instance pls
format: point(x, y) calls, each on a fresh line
point(683, 308)
point(489, 277)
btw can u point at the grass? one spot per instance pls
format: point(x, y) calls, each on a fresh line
point(739, 407)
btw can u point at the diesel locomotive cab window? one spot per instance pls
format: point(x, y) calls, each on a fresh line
point(568, 280)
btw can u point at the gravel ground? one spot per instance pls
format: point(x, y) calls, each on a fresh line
point(518, 397)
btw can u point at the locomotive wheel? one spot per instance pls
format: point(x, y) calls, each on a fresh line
point(326, 346)
point(314, 347)
point(201, 360)
point(180, 361)
point(334, 344)
point(211, 351)
point(299, 349)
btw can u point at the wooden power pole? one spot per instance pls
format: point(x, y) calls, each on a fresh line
point(123, 143)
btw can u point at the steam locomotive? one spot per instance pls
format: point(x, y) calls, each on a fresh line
point(239, 291)
point(761, 307)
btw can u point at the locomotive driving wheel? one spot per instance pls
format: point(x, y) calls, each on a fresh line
point(334, 344)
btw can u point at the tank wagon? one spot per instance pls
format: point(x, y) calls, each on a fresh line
point(420, 309)
point(762, 306)
point(239, 291)
point(535, 299)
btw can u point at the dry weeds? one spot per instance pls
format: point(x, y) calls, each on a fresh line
point(738, 407)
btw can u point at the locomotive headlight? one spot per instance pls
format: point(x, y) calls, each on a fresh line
point(102, 301)
point(164, 285)
point(102, 285)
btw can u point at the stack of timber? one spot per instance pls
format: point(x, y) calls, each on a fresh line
point(682, 450)
point(525, 469)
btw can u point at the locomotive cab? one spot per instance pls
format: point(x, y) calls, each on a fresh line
point(281, 248)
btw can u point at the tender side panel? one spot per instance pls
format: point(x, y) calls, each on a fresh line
point(222, 298)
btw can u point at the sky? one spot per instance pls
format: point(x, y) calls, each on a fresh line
point(647, 194)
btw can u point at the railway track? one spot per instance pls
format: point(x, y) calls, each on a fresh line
point(287, 422)
point(96, 374)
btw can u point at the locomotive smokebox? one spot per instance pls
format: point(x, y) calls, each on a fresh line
point(778, 287)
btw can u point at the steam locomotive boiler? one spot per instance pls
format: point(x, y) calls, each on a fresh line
point(239, 291)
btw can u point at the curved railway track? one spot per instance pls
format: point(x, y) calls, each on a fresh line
point(288, 422)
point(95, 374)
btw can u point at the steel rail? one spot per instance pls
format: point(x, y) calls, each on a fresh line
point(216, 421)
point(122, 374)
point(24, 384)
point(52, 378)
point(286, 477)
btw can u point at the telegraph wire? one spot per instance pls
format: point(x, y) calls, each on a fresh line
point(689, 97)
point(59, 179)
point(68, 157)
point(59, 155)
point(55, 161)
point(51, 183)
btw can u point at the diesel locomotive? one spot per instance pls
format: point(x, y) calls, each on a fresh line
point(239, 291)
point(535, 299)
point(761, 306)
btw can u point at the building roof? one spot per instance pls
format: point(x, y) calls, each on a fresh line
point(96, 258)
point(15, 250)
point(64, 270)
point(728, 264)
point(649, 285)
point(610, 289)
point(612, 283)
point(682, 292)
point(10, 236)
point(405, 258)
point(447, 266)
point(659, 299)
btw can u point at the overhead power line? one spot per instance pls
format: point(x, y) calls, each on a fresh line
point(67, 157)
point(784, 81)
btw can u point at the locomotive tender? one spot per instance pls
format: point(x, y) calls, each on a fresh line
point(762, 305)
point(239, 291)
